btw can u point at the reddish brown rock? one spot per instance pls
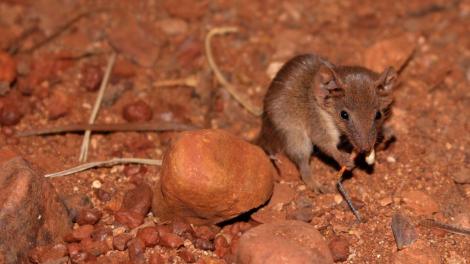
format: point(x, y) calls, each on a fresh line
point(10, 114)
point(339, 247)
point(187, 256)
point(221, 246)
point(7, 71)
point(73, 248)
point(31, 213)
point(88, 216)
point(283, 242)
point(149, 235)
point(419, 252)
point(419, 202)
point(136, 251)
point(389, 52)
point(43, 254)
point(76, 203)
point(170, 240)
point(91, 77)
point(120, 241)
point(101, 233)
point(94, 248)
point(203, 244)
point(58, 105)
point(135, 206)
point(206, 232)
point(212, 167)
point(79, 233)
point(157, 258)
point(138, 199)
point(138, 111)
point(128, 218)
point(268, 215)
point(462, 175)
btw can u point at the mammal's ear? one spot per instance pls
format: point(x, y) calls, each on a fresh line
point(327, 83)
point(386, 81)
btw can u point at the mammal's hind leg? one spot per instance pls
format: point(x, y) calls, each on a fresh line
point(299, 149)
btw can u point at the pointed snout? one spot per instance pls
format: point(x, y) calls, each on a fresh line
point(365, 140)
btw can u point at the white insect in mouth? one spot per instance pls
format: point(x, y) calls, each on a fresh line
point(370, 159)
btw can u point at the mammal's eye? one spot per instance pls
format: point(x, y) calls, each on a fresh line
point(378, 115)
point(344, 115)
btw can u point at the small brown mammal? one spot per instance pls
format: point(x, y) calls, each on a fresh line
point(313, 102)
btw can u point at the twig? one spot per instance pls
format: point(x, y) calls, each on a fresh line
point(431, 223)
point(346, 195)
point(96, 107)
point(59, 31)
point(143, 126)
point(15, 45)
point(190, 81)
point(106, 163)
point(220, 77)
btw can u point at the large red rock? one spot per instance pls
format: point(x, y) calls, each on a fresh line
point(286, 242)
point(210, 176)
point(31, 213)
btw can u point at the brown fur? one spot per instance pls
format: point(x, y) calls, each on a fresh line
point(303, 104)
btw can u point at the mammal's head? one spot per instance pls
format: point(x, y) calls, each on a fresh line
point(358, 99)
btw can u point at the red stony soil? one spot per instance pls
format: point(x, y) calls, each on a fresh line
point(162, 40)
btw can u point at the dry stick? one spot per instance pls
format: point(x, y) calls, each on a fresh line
point(346, 195)
point(106, 163)
point(96, 107)
point(431, 223)
point(220, 77)
point(59, 31)
point(139, 126)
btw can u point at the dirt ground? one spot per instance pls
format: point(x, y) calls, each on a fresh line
point(164, 40)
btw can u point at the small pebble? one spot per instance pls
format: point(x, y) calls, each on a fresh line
point(103, 195)
point(221, 246)
point(80, 233)
point(187, 256)
point(138, 111)
point(149, 235)
point(136, 251)
point(391, 159)
point(339, 248)
point(120, 241)
point(181, 228)
point(170, 240)
point(88, 216)
point(10, 115)
point(203, 244)
point(96, 184)
point(73, 248)
point(91, 77)
point(157, 258)
point(128, 218)
point(101, 233)
point(208, 233)
point(94, 248)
